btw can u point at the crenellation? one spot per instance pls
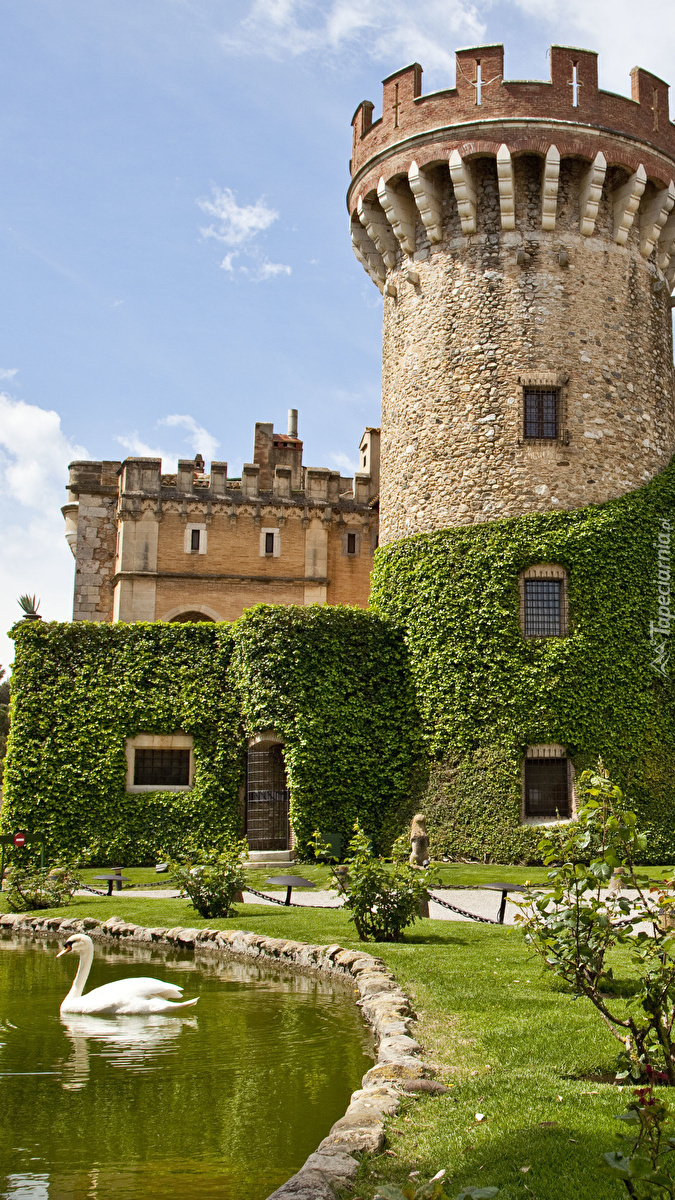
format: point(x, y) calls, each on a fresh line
point(151, 546)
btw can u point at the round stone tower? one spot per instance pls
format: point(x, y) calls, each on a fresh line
point(523, 237)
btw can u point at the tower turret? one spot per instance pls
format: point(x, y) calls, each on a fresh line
point(523, 236)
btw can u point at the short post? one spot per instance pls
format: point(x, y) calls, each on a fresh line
point(502, 910)
point(287, 901)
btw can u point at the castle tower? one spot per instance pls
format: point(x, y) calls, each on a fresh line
point(523, 237)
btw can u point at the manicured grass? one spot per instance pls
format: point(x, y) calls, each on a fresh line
point(507, 1042)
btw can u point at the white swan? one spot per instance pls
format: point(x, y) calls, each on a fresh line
point(125, 996)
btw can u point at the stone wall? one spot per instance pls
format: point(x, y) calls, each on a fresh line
point(459, 345)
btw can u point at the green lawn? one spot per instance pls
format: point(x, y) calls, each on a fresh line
point(510, 1045)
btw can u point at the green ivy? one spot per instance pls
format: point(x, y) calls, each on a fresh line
point(485, 693)
point(333, 682)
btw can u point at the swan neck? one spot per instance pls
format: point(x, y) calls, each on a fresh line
point(84, 967)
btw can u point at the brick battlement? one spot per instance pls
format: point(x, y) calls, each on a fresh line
point(571, 98)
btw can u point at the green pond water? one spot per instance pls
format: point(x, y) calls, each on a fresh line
point(226, 1101)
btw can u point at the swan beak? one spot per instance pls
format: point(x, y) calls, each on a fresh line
point(66, 950)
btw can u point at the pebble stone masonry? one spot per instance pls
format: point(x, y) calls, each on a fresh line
point(383, 1004)
point(522, 233)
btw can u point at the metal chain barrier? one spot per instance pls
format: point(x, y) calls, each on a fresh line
point(462, 911)
point(293, 903)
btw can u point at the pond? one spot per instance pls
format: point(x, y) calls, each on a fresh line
point(224, 1101)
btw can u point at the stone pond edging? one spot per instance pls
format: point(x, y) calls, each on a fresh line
point(384, 1006)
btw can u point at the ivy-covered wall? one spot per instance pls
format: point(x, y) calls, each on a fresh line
point(333, 682)
point(485, 693)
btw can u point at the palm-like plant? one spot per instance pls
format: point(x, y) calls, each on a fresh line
point(29, 606)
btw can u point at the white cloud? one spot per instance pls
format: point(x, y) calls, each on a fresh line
point(345, 464)
point(612, 28)
point(201, 441)
point(138, 448)
point(385, 30)
point(198, 439)
point(8, 375)
point(265, 270)
point(238, 225)
point(34, 557)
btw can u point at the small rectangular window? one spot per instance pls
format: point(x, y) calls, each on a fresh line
point(546, 787)
point(543, 608)
point(351, 543)
point(540, 412)
point(163, 768)
point(269, 543)
point(194, 539)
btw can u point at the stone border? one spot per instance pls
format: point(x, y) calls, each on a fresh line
point(383, 1005)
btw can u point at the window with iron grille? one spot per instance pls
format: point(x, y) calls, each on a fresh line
point(543, 608)
point(540, 412)
point(547, 787)
point(194, 539)
point(269, 543)
point(163, 768)
point(351, 543)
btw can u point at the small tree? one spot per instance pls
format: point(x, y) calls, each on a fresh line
point(212, 878)
point(575, 921)
point(31, 888)
point(383, 900)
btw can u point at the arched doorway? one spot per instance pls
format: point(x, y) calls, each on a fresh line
point(267, 795)
point(189, 616)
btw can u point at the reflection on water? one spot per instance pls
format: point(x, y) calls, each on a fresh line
point(129, 1043)
point(225, 1103)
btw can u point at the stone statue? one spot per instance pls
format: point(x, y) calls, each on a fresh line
point(419, 839)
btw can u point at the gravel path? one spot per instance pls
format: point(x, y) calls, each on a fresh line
point(483, 903)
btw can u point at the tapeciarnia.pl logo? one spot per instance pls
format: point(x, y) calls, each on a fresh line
point(659, 631)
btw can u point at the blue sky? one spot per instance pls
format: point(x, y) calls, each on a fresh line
point(175, 256)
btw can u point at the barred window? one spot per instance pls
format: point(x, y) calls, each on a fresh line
point(547, 791)
point(540, 412)
point(163, 768)
point(543, 608)
point(269, 543)
point(351, 543)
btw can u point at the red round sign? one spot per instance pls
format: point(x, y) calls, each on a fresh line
point(19, 839)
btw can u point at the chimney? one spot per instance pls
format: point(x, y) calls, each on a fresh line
point(293, 422)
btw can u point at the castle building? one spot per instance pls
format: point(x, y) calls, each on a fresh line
point(203, 547)
point(523, 237)
point(520, 624)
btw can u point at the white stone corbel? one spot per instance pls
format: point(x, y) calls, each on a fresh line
point(507, 188)
point(654, 217)
point(378, 229)
point(549, 188)
point(367, 253)
point(626, 200)
point(590, 193)
point(400, 210)
point(429, 201)
point(465, 191)
point(666, 248)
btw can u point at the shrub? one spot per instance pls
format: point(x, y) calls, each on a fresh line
point(213, 878)
point(32, 888)
point(383, 900)
point(647, 1168)
point(574, 922)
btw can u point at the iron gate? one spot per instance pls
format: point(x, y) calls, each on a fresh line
point(267, 799)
